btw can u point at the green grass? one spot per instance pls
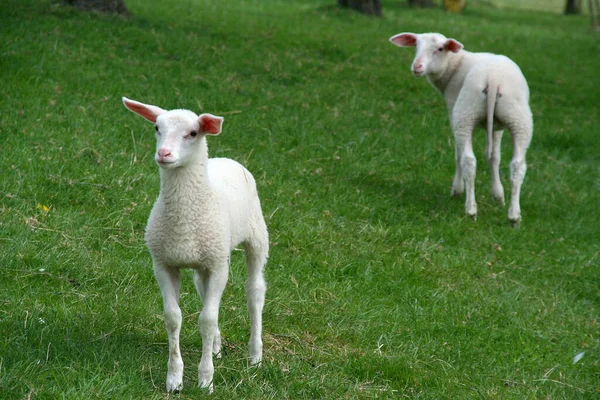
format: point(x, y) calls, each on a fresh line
point(378, 285)
point(553, 6)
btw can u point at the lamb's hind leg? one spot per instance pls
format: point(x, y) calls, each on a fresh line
point(465, 115)
point(168, 280)
point(256, 257)
point(521, 133)
point(463, 134)
point(494, 163)
point(213, 283)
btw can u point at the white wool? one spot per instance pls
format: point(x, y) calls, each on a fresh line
point(480, 89)
point(205, 208)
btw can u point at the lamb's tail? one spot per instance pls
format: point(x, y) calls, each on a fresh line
point(493, 92)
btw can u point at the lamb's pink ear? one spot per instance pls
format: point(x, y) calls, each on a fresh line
point(145, 110)
point(453, 45)
point(210, 124)
point(405, 39)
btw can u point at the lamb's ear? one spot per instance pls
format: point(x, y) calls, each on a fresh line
point(145, 110)
point(405, 39)
point(453, 45)
point(210, 124)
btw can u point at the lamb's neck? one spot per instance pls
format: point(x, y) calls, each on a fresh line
point(451, 80)
point(186, 184)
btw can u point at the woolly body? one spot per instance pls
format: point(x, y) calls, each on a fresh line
point(480, 89)
point(205, 208)
point(201, 215)
point(467, 81)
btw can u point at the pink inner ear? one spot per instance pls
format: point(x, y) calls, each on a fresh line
point(210, 124)
point(453, 45)
point(148, 112)
point(404, 39)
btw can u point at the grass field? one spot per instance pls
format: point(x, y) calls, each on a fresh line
point(379, 287)
point(553, 6)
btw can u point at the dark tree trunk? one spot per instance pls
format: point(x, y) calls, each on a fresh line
point(369, 7)
point(420, 3)
point(572, 7)
point(108, 6)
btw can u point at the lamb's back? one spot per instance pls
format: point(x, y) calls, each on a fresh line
point(236, 188)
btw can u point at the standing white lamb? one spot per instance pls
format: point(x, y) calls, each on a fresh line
point(205, 208)
point(480, 89)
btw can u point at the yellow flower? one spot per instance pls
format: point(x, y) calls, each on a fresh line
point(43, 207)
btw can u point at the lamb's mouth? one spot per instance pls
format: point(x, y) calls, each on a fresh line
point(166, 164)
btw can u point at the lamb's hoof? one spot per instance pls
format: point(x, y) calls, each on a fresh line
point(500, 199)
point(471, 211)
point(456, 192)
point(206, 385)
point(514, 216)
point(174, 386)
point(205, 378)
point(256, 361)
point(175, 376)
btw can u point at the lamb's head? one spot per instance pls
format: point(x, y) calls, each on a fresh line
point(432, 51)
point(178, 132)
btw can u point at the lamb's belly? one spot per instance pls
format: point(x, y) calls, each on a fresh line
point(185, 255)
point(175, 249)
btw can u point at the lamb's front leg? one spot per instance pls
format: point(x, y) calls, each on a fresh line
point(458, 185)
point(168, 280)
point(214, 282)
point(200, 283)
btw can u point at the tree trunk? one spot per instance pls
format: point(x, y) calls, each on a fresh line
point(108, 6)
point(572, 7)
point(420, 3)
point(594, 14)
point(369, 7)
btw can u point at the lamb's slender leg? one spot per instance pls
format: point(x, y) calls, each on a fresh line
point(518, 167)
point(458, 185)
point(463, 135)
point(199, 282)
point(214, 282)
point(256, 257)
point(168, 280)
point(494, 163)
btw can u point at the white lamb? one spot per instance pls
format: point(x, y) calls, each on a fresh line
point(480, 89)
point(205, 208)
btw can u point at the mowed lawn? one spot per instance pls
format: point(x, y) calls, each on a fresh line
point(378, 285)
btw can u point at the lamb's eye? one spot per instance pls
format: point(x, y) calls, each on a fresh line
point(193, 133)
point(441, 49)
point(156, 128)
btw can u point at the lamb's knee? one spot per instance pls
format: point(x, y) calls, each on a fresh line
point(208, 323)
point(518, 168)
point(172, 317)
point(468, 164)
point(256, 285)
